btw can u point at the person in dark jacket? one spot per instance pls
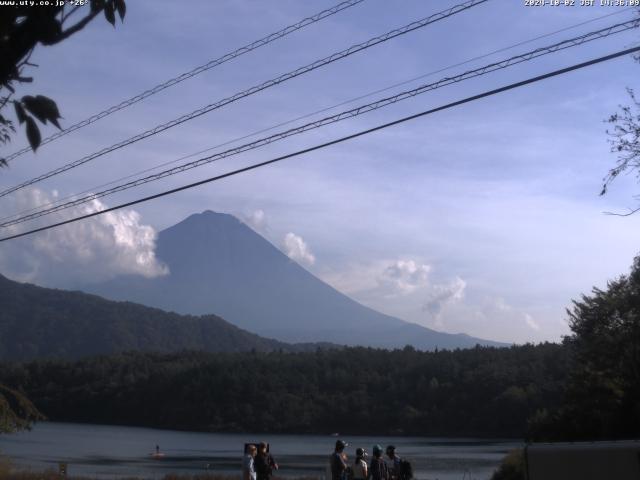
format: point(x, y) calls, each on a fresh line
point(393, 463)
point(378, 468)
point(264, 463)
point(339, 461)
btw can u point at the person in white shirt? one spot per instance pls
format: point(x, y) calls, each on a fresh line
point(360, 470)
point(248, 466)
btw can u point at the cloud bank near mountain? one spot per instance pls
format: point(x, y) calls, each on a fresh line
point(99, 248)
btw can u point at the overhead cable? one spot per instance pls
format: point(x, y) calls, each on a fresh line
point(489, 93)
point(192, 73)
point(305, 116)
point(354, 112)
point(258, 88)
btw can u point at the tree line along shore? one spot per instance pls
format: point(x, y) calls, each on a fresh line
point(483, 391)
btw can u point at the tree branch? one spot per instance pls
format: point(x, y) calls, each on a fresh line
point(5, 100)
point(628, 214)
point(78, 26)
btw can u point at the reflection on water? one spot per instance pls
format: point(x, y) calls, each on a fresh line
point(111, 451)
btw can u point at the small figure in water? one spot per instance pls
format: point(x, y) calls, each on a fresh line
point(157, 450)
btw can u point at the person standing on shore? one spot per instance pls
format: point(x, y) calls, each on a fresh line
point(360, 469)
point(378, 468)
point(338, 461)
point(264, 463)
point(393, 463)
point(248, 464)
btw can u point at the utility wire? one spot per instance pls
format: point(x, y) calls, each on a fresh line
point(605, 32)
point(308, 115)
point(196, 71)
point(334, 142)
point(270, 83)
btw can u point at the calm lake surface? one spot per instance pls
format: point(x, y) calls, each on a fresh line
point(113, 451)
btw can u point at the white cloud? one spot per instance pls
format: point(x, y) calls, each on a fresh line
point(297, 249)
point(442, 295)
point(491, 318)
point(531, 322)
point(257, 220)
point(385, 278)
point(450, 305)
point(404, 277)
point(83, 252)
point(499, 306)
point(352, 279)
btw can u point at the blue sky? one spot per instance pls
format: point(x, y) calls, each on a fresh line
point(482, 219)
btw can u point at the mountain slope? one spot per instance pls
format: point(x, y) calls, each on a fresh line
point(219, 265)
point(38, 322)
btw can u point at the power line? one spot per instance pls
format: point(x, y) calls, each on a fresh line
point(270, 83)
point(311, 114)
point(339, 117)
point(333, 142)
point(196, 71)
point(514, 60)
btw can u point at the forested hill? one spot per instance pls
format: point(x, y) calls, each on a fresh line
point(38, 322)
point(483, 391)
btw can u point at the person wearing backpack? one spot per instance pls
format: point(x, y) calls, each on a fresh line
point(378, 468)
point(406, 470)
point(360, 469)
point(399, 468)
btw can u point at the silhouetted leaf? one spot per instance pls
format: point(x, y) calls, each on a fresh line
point(20, 113)
point(3, 162)
point(109, 12)
point(43, 108)
point(49, 108)
point(33, 133)
point(122, 8)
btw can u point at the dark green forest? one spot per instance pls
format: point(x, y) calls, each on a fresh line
point(482, 391)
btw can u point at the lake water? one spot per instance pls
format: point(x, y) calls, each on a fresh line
point(113, 451)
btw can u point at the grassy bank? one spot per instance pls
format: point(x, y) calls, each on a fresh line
point(8, 472)
point(16, 474)
point(512, 467)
